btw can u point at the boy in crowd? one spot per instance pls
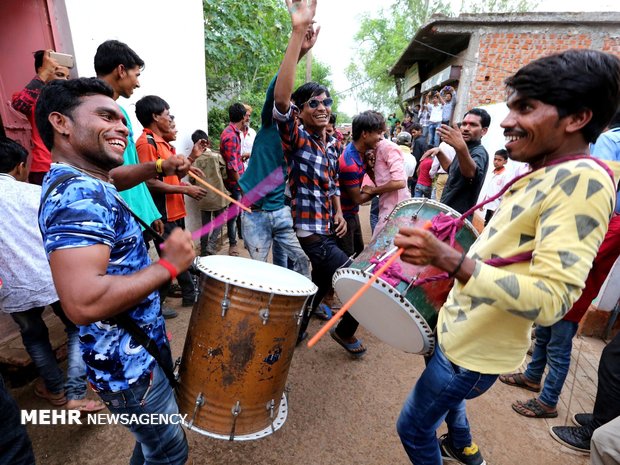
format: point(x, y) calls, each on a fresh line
point(498, 180)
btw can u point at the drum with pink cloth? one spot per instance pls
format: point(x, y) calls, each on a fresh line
point(395, 309)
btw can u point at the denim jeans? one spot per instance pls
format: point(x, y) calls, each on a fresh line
point(374, 213)
point(262, 229)
point(353, 242)
point(422, 191)
point(231, 224)
point(425, 134)
point(15, 446)
point(326, 257)
point(155, 444)
point(553, 347)
point(439, 394)
point(208, 242)
point(433, 135)
point(37, 342)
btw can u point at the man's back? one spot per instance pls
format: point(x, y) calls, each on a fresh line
point(25, 272)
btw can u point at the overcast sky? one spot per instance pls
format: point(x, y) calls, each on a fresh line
point(339, 19)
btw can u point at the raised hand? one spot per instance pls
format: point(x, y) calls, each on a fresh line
point(309, 39)
point(302, 12)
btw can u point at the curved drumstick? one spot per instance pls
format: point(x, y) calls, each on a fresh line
point(377, 274)
point(219, 192)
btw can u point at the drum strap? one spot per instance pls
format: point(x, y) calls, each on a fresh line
point(163, 355)
point(446, 227)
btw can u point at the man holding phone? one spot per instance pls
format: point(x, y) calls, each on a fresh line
point(49, 66)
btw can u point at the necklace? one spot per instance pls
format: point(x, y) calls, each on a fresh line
point(87, 172)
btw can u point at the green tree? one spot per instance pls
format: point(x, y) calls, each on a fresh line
point(244, 45)
point(384, 37)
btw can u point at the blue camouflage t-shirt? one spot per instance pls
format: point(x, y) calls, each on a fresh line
point(84, 211)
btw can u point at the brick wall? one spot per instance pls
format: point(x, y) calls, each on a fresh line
point(510, 51)
point(612, 45)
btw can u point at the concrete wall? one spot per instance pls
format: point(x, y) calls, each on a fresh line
point(169, 37)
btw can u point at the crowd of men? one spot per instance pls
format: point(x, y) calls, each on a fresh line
point(107, 193)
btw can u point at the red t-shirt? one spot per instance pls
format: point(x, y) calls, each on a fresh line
point(424, 177)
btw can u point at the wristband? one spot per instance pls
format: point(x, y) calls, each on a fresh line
point(159, 166)
point(458, 267)
point(169, 266)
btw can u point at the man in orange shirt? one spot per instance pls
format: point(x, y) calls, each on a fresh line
point(159, 129)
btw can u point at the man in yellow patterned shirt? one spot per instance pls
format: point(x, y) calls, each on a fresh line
point(559, 212)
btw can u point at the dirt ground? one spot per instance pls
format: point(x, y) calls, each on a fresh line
point(341, 411)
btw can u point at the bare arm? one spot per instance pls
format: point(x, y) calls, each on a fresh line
point(127, 176)
point(89, 294)
point(452, 136)
point(357, 195)
point(390, 186)
point(302, 15)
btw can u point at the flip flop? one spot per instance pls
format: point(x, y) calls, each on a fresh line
point(518, 380)
point(355, 349)
point(532, 409)
point(323, 312)
point(85, 405)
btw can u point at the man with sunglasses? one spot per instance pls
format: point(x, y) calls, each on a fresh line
point(302, 118)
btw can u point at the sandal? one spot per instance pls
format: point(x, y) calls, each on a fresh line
point(518, 380)
point(57, 399)
point(85, 405)
point(533, 409)
point(323, 312)
point(355, 349)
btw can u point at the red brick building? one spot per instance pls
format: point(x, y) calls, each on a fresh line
point(476, 52)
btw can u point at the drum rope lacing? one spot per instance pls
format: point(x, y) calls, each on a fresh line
point(445, 226)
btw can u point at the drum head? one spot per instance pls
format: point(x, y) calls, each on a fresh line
point(385, 313)
point(255, 275)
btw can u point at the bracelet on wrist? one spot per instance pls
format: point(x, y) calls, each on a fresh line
point(458, 267)
point(159, 166)
point(168, 266)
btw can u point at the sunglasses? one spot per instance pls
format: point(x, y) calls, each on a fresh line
point(314, 103)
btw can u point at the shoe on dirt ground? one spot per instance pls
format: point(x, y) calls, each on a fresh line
point(468, 456)
point(168, 312)
point(573, 437)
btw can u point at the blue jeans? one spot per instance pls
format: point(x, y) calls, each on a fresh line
point(326, 257)
point(553, 347)
point(15, 446)
point(433, 135)
point(37, 342)
point(155, 444)
point(374, 213)
point(231, 224)
point(425, 134)
point(262, 229)
point(208, 242)
point(439, 394)
point(422, 191)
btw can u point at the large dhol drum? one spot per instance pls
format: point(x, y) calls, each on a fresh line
point(400, 314)
point(239, 347)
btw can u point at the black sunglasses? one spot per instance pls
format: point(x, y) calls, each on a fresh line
point(314, 103)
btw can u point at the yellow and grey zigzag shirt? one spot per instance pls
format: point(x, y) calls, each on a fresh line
point(561, 213)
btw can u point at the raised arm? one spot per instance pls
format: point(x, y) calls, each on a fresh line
point(302, 14)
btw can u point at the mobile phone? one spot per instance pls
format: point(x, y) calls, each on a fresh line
point(62, 59)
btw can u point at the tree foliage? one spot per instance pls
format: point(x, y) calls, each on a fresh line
point(244, 45)
point(383, 38)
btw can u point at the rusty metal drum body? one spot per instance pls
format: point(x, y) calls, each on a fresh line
point(239, 347)
point(400, 314)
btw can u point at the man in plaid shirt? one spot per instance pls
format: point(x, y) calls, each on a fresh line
point(313, 171)
point(230, 149)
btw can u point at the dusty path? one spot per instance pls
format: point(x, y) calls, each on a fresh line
point(341, 412)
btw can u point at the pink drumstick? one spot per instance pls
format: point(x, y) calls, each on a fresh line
point(334, 319)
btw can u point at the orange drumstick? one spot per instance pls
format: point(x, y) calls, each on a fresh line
point(219, 192)
point(327, 326)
